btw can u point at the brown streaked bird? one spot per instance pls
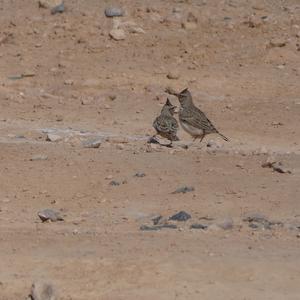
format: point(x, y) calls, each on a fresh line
point(165, 124)
point(193, 120)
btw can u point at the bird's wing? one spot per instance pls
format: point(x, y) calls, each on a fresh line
point(166, 124)
point(197, 119)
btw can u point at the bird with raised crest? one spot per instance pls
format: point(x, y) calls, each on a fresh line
point(192, 119)
point(165, 124)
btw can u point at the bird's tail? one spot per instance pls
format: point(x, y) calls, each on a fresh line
point(223, 137)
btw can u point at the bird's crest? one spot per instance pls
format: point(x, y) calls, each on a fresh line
point(168, 102)
point(184, 91)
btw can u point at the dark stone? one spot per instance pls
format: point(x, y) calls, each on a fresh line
point(199, 226)
point(58, 9)
point(180, 216)
point(114, 183)
point(157, 227)
point(184, 189)
point(139, 174)
point(171, 226)
point(149, 228)
point(113, 12)
point(259, 221)
point(255, 217)
point(278, 167)
point(156, 220)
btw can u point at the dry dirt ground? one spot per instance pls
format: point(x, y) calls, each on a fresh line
point(241, 61)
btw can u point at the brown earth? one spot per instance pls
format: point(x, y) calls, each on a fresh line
point(241, 61)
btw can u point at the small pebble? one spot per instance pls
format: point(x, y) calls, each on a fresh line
point(275, 165)
point(137, 30)
point(28, 74)
point(92, 143)
point(49, 214)
point(120, 146)
point(113, 12)
point(157, 219)
point(38, 157)
point(176, 10)
point(258, 221)
point(198, 226)
point(58, 9)
point(149, 228)
point(68, 82)
point(214, 145)
point(269, 162)
point(189, 25)
point(277, 43)
point(180, 216)
point(86, 101)
point(157, 227)
point(278, 167)
point(53, 137)
point(139, 174)
point(256, 217)
point(5, 200)
point(59, 118)
point(112, 97)
point(114, 183)
point(184, 189)
point(192, 18)
point(49, 3)
point(117, 34)
point(173, 74)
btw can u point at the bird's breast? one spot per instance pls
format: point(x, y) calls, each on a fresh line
point(193, 131)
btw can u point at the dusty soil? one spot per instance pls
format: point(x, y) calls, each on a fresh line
point(241, 61)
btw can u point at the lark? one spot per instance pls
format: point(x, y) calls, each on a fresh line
point(165, 124)
point(193, 120)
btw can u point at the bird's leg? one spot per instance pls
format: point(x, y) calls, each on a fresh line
point(202, 137)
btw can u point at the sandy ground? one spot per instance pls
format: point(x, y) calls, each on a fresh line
point(241, 61)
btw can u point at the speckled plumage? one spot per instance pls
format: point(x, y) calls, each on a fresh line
point(192, 119)
point(165, 124)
